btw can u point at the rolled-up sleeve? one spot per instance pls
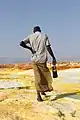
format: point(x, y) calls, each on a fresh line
point(47, 41)
point(26, 40)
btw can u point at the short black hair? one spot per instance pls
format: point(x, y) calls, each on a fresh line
point(36, 28)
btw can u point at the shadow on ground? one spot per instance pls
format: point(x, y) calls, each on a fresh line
point(72, 95)
point(26, 87)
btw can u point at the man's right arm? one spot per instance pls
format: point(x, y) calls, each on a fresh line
point(48, 45)
point(52, 54)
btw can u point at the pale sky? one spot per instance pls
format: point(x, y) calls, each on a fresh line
point(60, 19)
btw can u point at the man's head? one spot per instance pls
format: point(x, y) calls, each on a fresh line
point(36, 29)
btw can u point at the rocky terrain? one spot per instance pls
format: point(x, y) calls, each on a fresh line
point(18, 95)
point(26, 66)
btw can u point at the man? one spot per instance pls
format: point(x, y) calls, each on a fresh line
point(39, 44)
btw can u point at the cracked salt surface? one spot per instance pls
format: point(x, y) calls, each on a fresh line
point(66, 76)
point(70, 75)
point(9, 84)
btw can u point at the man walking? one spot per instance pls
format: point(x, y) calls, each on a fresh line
point(39, 45)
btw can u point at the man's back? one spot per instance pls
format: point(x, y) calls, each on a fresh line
point(38, 42)
point(39, 45)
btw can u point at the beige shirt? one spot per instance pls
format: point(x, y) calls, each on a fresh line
point(38, 42)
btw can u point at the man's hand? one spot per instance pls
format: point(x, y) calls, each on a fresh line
point(33, 52)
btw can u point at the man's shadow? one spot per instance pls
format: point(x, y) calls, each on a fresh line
point(64, 95)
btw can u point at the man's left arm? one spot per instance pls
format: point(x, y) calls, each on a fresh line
point(24, 43)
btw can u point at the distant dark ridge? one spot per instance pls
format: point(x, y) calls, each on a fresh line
point(5, 60)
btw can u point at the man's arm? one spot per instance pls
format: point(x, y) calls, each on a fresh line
point(51, 53)
point(22, 44)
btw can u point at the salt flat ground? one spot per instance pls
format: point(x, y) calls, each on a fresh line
point(19, 101)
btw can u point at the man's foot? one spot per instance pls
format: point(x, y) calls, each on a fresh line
point(39, 99)
point(43, 93)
